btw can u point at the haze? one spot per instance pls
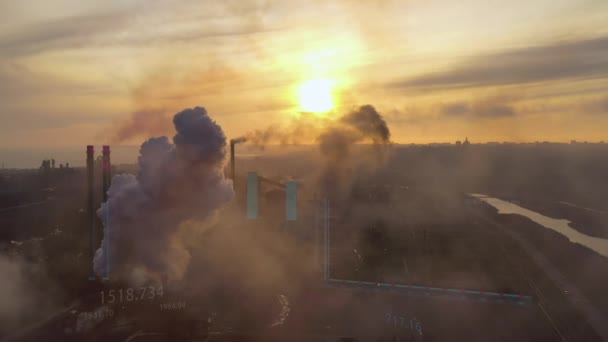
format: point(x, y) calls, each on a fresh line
point(74, 73)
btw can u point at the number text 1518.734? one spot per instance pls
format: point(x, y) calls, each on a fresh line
point(130, 294)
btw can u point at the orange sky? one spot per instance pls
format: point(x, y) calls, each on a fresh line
point(73, 73)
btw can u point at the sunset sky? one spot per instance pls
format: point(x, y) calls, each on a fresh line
point(80, 72)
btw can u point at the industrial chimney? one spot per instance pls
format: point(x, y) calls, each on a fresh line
point(107, 176)
point(232, 166)
point(91, 203)
point(233, 143)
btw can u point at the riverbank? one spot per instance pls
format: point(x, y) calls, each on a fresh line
point(587, 221)
point(583, 267)
point(561, 226)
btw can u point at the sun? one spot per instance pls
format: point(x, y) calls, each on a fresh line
point(316, 96)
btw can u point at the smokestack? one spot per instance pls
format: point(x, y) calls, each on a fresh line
point(232, 166)
point(107, 176)
point(233, 142)
point(91, 203)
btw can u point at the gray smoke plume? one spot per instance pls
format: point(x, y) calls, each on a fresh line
point(301, 129)
point(175, 183)
point(369, 124)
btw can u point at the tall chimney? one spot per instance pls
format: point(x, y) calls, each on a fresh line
point(232, 166)
point(91, 204)
point(107, 176)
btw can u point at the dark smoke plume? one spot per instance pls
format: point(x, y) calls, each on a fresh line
point(175, 183)
point(336, 141)
point(369, 124)
point(364, 125)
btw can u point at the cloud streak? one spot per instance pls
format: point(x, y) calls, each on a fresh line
point(131, 26)
point(583, 59)
point(484, 109)
point(61, 33)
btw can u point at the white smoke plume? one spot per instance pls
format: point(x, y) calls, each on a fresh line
point(175, 183)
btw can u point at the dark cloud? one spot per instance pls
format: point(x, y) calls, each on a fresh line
point(486, 108)
point(603, 104)
point(499, 107)
point(598, 106)
point(493, 110)
point(408, 116)
point(584, 59)
point(478, 109)
point(455, 109)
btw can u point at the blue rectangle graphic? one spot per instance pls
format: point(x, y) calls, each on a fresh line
point(292, 200)
point(252, 195)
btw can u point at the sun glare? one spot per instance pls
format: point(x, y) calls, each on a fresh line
point(316, 96)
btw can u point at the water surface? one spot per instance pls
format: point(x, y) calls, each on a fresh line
point(561, 226)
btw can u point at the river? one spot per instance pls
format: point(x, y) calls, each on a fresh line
point(561, 226)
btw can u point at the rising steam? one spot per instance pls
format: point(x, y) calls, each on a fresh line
point(175, 183)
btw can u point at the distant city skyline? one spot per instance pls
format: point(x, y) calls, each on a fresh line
point(31, 158)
